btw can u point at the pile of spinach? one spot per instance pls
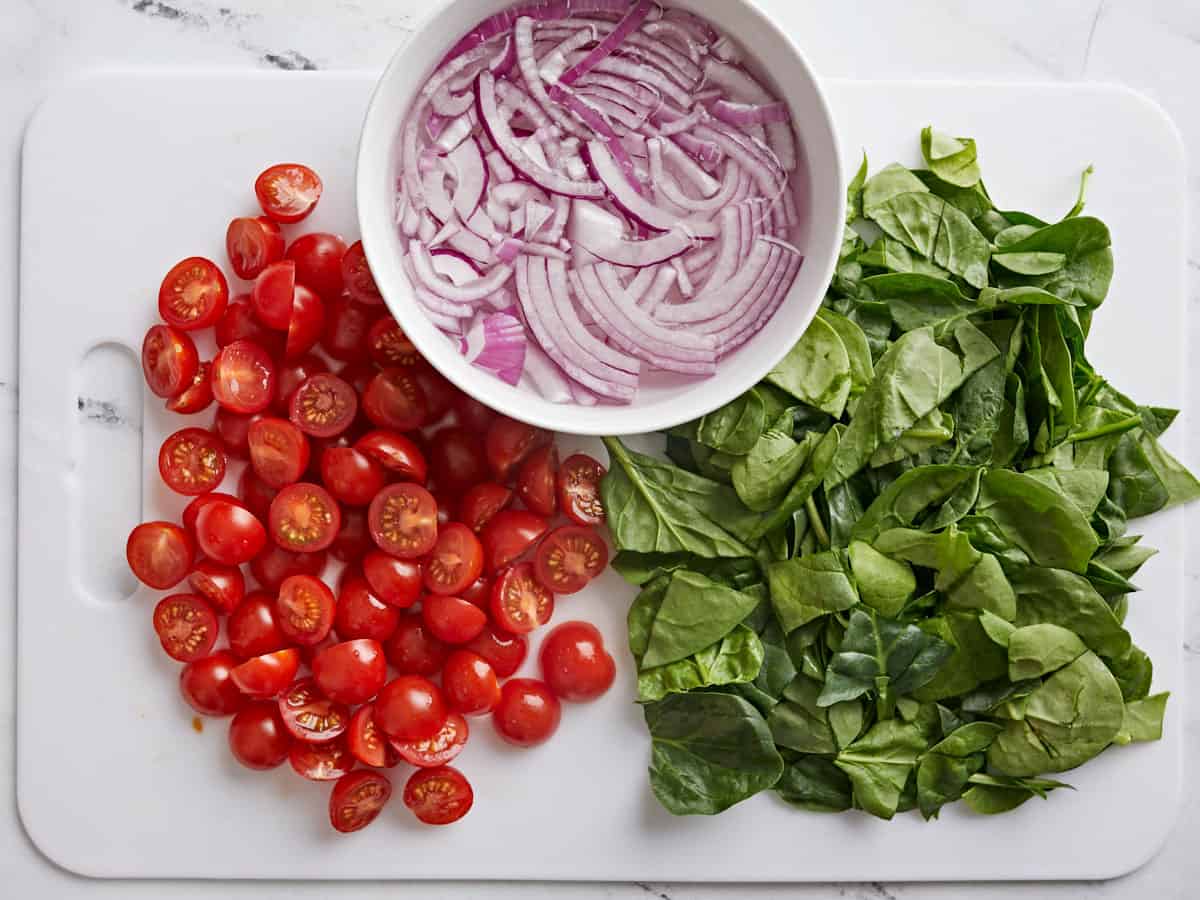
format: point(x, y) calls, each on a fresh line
point(894, 574)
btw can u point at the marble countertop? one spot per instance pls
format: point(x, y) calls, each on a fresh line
point(1150, 45)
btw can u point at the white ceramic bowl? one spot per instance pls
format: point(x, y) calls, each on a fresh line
point(664, 400)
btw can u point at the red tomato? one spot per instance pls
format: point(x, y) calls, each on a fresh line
point(354, 540)
point(472, 414)
point(347, 325)
point(274, 565)
point(413, 649)
point(229, 533)
point(579, 490)
point(403, 520)
point(394, 400)
point(278, 451)
point(508, 535)
point(397, 582)
point(304, 517)
point(367, 742)
point(243, 377)
point(479, 593)
point(356, 274)
point(481, 503)
point(569, 558)
point(352, 477)
point(452, 619)
point(252, 628)
point(390, 347)
point(456, 460)
point(274, 294)
point(208, 688)
point(360, 614)
point(410, 708)
point(288, 192)
point(575, 664)
point(455, 562)
point(321, 762)
point(351, 672)
point(240, 324)
point(309, 715)
point(222, 586)
point(536, 481)
point(160, 554)
point(357, 800)
point(269, 675)
point(508, 442)
point(318, 259)
point(197, 396)
point(193, 294)
point(169, 361)
point(257, 737)
point(324, 406)
point(186, 626)
point(306, 323)
point(438, 796)
point(293, 374)
point(304, 610)
point(438, 392)
point(191, 512)
point(470, 684)
point(520, 603)
point(528, 713)
point(256, 494)
point(234, 431)
point(252, 245)
point(505, 651)
point(396, 453)
point(192, 461)
point(439, 749)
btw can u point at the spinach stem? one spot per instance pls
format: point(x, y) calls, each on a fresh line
point(814, 519)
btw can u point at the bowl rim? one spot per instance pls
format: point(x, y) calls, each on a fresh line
point(378, 135)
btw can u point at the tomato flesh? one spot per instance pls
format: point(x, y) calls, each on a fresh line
point(360, 614)
point(410, 708)
point(193, 294)
point(569, 558)
point(252, 628)
point(509, 442)
point(403, 521)
point(279, 451)
point(455, 562)
point(208, 688)
point(274, 295)
point(229, 533)
point(368, 744)
point(288, 192)
point(452, 619)
point(575, 664)
point(305, 324)
point(413, 649)
point(197, 396)
point(240, 324)
point(318, 258)
point(192, 461)
point(351, 672)
point(222, 586)
point(439, 796)
point(396, 453)
point(520, 603)
point(324, 406)
point(504, 650)
point(321, 762)
point(258, 738)
point(169, 360)
point(354, 540)
point(397, 582)
point(304, 518)
point(528, 713)
point(252, 245)
point(243, 378)
point(309, 715)
point(304, 610)
point(267, 676)
point(394, 400)
point(579, 490)
point(470, 684)
point(160, 554)
point(357, 800)
point(438, 750)
point(536, 484)
point(508, 535)
point(186, 626)
point(356, 273)
point(481, 503)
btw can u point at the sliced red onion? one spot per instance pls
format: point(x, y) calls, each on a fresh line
point(670, 31)
point(638, 254)
point(429, 228)
point(638, 326)
point(547, 378)
point(410, 222)
point(765, 307)
point(499, 168)
point(549, 251)
point(456, 131)
point(726, 50)
point(683, 123)
point(471, 176)
point(616, 366)
point(582, 395)
point(523, 36)
point(742, 87)
point(681, 275)
point(665, 279)
point(700, 30)
point(536, 216)
point(496, 342)
point(448, 232)
point(449, 104)
point(641, 95)
point(509, 250)
point(562, 212)
point(742, 114)
point(504, 61)
point(598, 124)
point(724, 295)
point(606, 171)
point(511, 99)
point(551, 66)
point(701, 258)
point(640, 283)
point(632, 21)
point(466, 293)
point(646, 74)
point(456, 266)
point(619, 116)
point(448, 325)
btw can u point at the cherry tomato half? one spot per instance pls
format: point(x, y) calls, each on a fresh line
point(229, 533)
point(255, 494)
point(368, 744)
point(481, 503)
point(438, 750)
point(569, 558)
point(186, 626)
point(305, 518)
point(257, 736)
point(397, 582)
point(234, 431)
point(579, 490)
point(410, 708)
point(396, 453)
point(252, 245)
point(222, 586)
point(252, 628)
point(191, 512)
point(318, 259)
point(243, 377)
point(192, 461)
point(536, 481)
point(353, 541)
point(438, 796)
point(479, 592)
point(575, 664)
point(456, 460)
point(288, 192)
point(356, 274)
point(403, 520)
point(306, 323)
point(357, 800)
point(274, 565)
point(455, 562)
point(193, 294)
point(437, 391)
point(472, 414)
point(502, 649)
point(351, 672)
point(347, 325)
point(239, 324)
point(160, 554)
point(274, 294)
point(291, 375)
point(470, 684)
point(413, 649)
point(208, 688)
point(321, 762)
point(324, 406)
point(528, 713)
point(508, 535)
point(309, 715)
point(394, 400)
point(197, 396)
point(279, 451)
point(390, 347)
point(360, 614)
point(520, 603)
point(304, 610)
point(452, 619)
point(169, 361)
point(509, 442)
point(267, 676)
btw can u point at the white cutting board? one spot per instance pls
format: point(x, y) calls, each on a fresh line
point(124, 174)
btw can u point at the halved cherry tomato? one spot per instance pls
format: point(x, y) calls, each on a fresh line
point(304, 517)
point(192, 461)
point(472, 414)
point(360, 614)
point(479, 592)
point(243, 377)
point(438, 392)
point(536, 481)
point(456, 460)
point(256, 494)
point(452, 619)
point(356, 274)
point(347, 325)
point(252, 628)
point(439, 749)
point(160, 554)
point(239, 324)
point(304, 610)
point(321, 762)
point(306, 323)
point(508, 535)
point(288, 192)
point(318, 259)
point(481, 503)
point(528, 713)
point(569, 558)
point(575, 664)
point(353, 541)
point(291, 375)
point(208, 688)
point(169, 361)
point(324, 406)
point(394, 400)
point(455, 562)
point(520, 603)
point(269, 675)
point(311, 716)
point(390, 347)
point(413, 649)
point(274, 294)
point(470, 684)
point(508, 442)
point(191, 512)
point(368, 744)
point(229, 533)
point(396, 453)
point(352, 477)
point(197, 396)
point(351, 672)
point(257, 736)
point(438, 796)
point(278, 451)
point(504, 650)
point(274, 565)
point(579, 490)
point(397, 582)
point(233, 429)
point(410, 708)
point(403, 520)
point(193, 294)
point(222, 586)
point(186, 626)
point(357, 800)
point(252, 245)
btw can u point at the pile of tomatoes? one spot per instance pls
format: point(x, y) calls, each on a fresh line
point(442, 513)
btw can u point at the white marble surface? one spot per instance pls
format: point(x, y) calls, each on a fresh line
point(1150, 45)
